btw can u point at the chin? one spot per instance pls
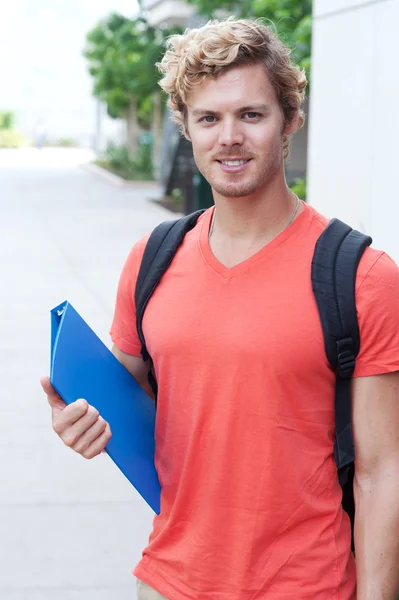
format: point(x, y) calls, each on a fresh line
point(234, 190)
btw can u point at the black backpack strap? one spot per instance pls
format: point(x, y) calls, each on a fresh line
point(336, 258)
point(161, 247)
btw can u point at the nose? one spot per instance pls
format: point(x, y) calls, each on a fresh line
point(230, 133)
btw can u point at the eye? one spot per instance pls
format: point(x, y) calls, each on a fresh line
point(252, 115)
point(207, 119)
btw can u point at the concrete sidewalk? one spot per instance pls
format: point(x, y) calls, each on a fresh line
point(70, 529)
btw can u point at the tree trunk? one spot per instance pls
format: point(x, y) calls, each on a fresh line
point(157, 133)
point(132, 129)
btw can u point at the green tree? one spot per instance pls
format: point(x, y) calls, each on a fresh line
point(6, 119)
point(291, 19)
point(122, 54)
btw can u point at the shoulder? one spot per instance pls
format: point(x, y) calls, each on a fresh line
point(131, 267)
point(135, 255)
point(139, 246)
point(377, 270)
point(375, 265)
point(377, 295)
point(377, 303)
point(319, 221)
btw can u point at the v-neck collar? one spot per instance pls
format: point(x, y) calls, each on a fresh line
point(228, 272)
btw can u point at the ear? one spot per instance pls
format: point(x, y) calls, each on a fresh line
point(293, 125)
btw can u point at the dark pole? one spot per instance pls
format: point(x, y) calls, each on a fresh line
point(186, 183)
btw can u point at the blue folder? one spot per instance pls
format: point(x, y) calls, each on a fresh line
point(83, 367)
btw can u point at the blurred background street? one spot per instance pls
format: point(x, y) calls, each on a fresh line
point(69, 528)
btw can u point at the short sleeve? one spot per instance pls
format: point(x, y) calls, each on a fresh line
point(377, 300)
point(123, 330)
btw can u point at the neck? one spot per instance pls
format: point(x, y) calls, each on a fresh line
point(255, 216)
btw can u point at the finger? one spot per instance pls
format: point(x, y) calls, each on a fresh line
point(73, 434)
point(90, 436)
point(53, 398)
point(65, 419)
point(99, 444)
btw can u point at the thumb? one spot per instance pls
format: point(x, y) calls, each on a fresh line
point(54, 399)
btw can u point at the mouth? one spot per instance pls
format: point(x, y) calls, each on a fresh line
point(234, 165)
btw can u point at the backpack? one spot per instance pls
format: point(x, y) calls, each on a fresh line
point(335, 261)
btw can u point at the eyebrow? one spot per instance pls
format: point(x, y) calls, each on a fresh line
point(250, 108)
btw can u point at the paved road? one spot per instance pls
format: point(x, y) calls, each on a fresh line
point(70, 529)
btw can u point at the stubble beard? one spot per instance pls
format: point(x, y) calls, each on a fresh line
point(250, 183)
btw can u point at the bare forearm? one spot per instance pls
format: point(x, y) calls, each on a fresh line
point(377, 535)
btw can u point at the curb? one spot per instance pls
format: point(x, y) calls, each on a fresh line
point(119, 181)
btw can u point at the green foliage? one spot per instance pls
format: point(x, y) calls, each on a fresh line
point(62, 142)
point(145, 112)
point(291, 19)
point(298, 186)
point(118, 160)
point(122, 53)
point(143, 161)
point(6, 119)
point(66, 143)
point(177, 197)
point(10, 138)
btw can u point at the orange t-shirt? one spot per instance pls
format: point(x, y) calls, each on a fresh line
point(250, 503)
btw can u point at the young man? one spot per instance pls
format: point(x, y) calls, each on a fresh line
point(251, 504)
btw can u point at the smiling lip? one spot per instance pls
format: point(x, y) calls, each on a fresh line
point(241, 164)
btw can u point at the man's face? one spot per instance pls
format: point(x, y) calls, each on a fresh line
point(236, 128)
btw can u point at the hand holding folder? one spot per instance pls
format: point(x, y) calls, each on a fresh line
point(83, 367)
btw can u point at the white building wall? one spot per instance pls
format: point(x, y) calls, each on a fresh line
point(354, 126)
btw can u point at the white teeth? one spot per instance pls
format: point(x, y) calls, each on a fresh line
point(233, 163)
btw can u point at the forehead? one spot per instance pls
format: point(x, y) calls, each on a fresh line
point(236, 87)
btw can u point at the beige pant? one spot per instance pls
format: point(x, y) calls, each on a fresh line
point(145, 592)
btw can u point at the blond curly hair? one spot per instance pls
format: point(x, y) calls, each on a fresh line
point(221, 45)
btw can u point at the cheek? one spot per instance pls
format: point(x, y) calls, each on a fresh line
point(264, 139)
point(202, 141)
